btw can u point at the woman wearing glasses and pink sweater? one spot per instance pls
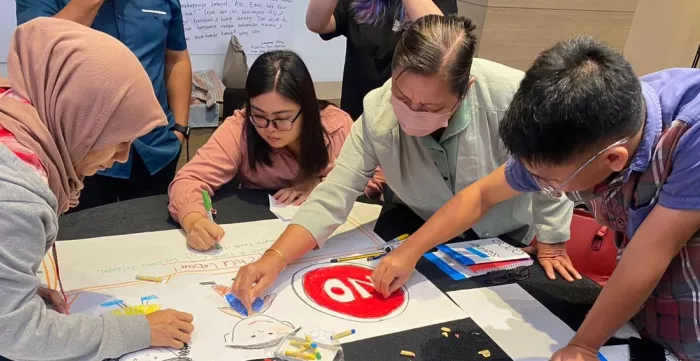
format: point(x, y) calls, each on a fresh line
point(284, 139)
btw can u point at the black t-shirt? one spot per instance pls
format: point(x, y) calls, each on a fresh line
point(368, 53)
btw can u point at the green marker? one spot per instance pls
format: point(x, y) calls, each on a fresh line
point(206, 199)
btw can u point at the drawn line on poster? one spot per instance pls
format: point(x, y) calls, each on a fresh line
point(298, 280)
point(258, 332)
point(362, 229)
point(51, 285)
point(46, 274)
point(55, 274)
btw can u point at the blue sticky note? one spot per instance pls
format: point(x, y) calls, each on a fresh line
point(601, 357)
point(238, 306)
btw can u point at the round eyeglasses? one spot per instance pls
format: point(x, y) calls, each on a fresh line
point(284, 125)
point(554, 189)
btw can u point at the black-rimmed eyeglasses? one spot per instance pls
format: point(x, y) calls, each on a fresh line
point(284, 125)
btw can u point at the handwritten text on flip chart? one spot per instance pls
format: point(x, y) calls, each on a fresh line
point(259, 25)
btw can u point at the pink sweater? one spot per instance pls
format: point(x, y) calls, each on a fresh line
point(225, 156)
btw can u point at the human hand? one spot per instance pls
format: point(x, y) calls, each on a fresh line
point(394, 270)
point(202, 234)
point(553, 257)
point(297, 194)
point(253, 279)
point(180, 136)
point(574, 353)
point(54, 298)
point(170, 328)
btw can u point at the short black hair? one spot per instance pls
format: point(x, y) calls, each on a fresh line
point(284, 72)
point(577, 96)
point(436, 44)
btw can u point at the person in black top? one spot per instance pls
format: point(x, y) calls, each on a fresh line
point(371, 28)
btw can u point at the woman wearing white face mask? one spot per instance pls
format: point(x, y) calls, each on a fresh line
point(433, 129)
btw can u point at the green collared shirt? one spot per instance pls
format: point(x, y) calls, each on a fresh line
point(444, 153)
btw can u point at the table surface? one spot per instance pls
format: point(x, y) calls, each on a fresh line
point(568, 301)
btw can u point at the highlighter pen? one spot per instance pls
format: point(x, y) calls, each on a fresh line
point(352, 258)
point(207, 207)
point(394, 241)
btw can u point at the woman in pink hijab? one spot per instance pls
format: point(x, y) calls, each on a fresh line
point(75, 100)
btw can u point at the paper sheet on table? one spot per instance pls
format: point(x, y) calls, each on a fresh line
point(97, 271)
point(284, 213)
point(520, 325)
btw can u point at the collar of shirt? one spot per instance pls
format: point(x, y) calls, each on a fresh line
point(651, 132)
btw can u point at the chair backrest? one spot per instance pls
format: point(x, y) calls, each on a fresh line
point(592, 247)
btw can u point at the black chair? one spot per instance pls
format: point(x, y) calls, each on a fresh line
point(233, 99)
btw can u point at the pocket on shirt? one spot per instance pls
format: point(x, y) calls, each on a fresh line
point(148, 20)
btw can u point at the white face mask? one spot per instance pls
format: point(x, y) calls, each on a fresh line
point(418, 124)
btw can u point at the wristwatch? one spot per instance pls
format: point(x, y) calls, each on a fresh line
point(185, 130)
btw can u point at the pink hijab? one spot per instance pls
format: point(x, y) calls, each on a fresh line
point(87, 92)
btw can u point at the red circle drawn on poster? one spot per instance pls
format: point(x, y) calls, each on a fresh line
point(346, 291)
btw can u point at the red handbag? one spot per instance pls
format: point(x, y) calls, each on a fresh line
point(592, 248)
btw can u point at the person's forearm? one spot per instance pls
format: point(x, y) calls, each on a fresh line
point(451, 220)
point(552, 218)
point(461, 212)
point(319, 13)
point(80, 11)
point(179, 84)
point(294, 242)
point(416, 9)
point(621, 298)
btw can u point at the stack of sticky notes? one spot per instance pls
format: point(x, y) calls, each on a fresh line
point(467, 259)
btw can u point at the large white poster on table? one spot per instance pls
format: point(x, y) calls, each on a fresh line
point(313, 296)
point(259, 25)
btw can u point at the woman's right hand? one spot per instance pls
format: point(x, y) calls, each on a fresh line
point(170, 328)
point(253, 279)
point(202, 234)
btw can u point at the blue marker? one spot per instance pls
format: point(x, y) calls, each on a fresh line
point(238, 306)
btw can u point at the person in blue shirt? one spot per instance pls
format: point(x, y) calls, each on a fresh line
point(153, 30)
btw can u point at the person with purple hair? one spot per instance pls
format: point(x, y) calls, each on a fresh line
point(371, 28)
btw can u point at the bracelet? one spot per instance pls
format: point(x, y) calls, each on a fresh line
point(281, 255)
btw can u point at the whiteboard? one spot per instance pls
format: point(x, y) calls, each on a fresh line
point(325, 59)
point(259, 25)
point(7, 26)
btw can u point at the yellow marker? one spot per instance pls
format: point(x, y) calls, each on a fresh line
point(408, 353)
point(299, 343)
point(343, 334)
point(445, 329)
point(485, 353)
point(308, 338)
point(444, 334)
point(150, 279)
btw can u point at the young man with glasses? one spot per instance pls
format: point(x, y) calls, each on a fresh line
point(581, 123)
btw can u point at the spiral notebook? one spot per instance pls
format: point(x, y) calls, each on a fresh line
point(463, 260)
point(480, 251)
point(459, 272)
